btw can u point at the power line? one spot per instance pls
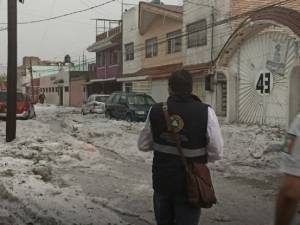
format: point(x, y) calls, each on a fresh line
point(66, 14)
point(163, 39)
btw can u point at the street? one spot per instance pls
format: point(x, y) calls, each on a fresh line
point(65, 168)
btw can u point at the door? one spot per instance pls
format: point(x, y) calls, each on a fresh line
point(199, 88)
point(61, 96)
point(141, 87)
point(262, 67)
point(221, 92)
point(294, 93)
point(159, 90)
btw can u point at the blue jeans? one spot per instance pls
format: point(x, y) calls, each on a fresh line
point(174, 210)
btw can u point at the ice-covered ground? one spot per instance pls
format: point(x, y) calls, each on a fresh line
point(65, 168)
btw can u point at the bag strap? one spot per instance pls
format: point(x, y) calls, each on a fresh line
point(175, 135)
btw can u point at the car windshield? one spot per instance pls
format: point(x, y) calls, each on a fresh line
point(140, 100)
point(101, 98)
point(3, 96)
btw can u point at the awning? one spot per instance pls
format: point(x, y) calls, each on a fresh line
point(100, 80)
point(137, 78)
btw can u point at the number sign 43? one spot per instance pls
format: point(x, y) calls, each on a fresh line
point(264, 83)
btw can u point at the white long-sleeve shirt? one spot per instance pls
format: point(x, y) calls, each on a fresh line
point(215, 144)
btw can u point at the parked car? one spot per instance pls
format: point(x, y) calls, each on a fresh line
point(25, 107)
point(94, 104)
point(128, 106)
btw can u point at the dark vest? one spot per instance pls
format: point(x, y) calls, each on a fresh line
point(168, 172)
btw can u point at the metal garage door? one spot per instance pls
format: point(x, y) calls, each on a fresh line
point(199, 88)
point(141, 87)
point(159, 90)
point(263, 66)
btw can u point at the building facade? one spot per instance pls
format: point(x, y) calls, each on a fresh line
point(108, 49)
point(56, 88)
point(156, 50)
point(77, 90)
point(244, 59)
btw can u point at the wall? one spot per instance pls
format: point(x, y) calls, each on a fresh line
point(131, 34)
point(241, 6)
point(294, 100)
point(77, 92)
point(159, 28)
point(49, 82)
point(200, 10)
point(110, 71)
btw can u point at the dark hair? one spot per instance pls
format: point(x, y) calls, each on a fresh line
point(181, 82)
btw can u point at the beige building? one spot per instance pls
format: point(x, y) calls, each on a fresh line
point(156, 50)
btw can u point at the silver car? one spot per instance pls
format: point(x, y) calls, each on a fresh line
point(94, 104)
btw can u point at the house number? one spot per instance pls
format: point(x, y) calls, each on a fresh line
point(264, 83)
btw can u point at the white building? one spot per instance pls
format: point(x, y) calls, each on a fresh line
point(131, 39)
point(243, 67)
point(56, 88)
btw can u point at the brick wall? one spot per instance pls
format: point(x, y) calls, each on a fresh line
point(242, 6)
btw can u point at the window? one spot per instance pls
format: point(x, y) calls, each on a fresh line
point(101, 98)
point(114, 57)
point(56, 89)
point(101, 59)
point(123, 99)
point(129, 52)
point(66, 89)
point(174, 42)
point(140, 100)
point(46, 89)
point(151, 48)
point(53, 89)
point(197, 34)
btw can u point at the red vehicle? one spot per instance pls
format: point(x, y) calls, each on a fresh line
point(25, 108)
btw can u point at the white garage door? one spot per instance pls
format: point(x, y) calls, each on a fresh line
point(141, 87)
point(159, 90)
point(199, 87)
point(263, 67)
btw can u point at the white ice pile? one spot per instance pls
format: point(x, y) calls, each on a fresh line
point(33, 190)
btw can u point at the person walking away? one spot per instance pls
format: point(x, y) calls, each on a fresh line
point(201, 141)
point(42, 98)
point(289, 193)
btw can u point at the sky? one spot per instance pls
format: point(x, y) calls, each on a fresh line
point(52, 40)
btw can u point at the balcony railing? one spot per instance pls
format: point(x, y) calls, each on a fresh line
point(108, 34)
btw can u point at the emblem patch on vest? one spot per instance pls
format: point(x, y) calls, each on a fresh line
point(177, 123)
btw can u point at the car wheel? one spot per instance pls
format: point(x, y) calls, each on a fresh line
point(32, 113)
point(108, 115)
point(28, 115)
point(129, 118)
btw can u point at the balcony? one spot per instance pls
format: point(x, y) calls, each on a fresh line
point(108, 34)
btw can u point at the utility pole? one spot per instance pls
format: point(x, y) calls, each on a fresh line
point(11, 70)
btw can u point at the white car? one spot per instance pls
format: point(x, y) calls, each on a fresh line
point(94, 104)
